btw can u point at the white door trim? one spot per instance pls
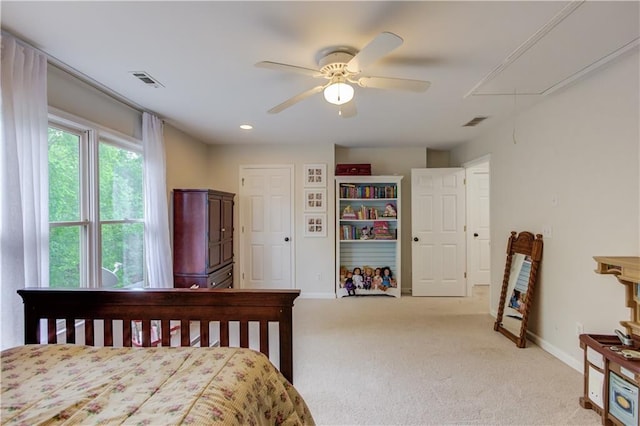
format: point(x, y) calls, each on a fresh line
point(242, 213)
point(476, 161)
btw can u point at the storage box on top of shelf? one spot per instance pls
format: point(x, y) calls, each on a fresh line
point(353, 170)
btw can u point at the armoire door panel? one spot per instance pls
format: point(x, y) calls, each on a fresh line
point(202, 235)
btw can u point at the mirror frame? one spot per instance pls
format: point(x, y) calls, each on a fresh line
point(529, 245)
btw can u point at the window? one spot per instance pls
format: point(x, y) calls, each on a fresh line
point(96, 208)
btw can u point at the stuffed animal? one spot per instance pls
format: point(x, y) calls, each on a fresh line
point(389, 210)
point(365, 233)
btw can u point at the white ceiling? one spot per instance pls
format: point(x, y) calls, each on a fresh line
point(475, 54)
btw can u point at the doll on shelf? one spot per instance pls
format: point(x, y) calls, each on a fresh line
point(377, 279)
point(343, 275)
point(387, 278)
point(358, 280)
point(349, 285)
point(368, 278)
point(389, 210)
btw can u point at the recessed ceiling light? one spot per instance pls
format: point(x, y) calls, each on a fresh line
point(246, 126)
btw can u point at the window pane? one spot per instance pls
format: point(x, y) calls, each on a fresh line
point(122, 254)
point(64, 176)
point(121, 192)
point(64, 256)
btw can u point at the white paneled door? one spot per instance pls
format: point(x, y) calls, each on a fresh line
point(438, 234)
point(478, 230)
point(266, 233)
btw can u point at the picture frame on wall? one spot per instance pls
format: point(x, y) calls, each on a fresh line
point(315, 200)
point(315, 175)
point(315, 225)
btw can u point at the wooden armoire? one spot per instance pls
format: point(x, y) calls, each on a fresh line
point(202, 238)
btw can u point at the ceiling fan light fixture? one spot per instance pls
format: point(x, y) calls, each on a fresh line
point(338, 93)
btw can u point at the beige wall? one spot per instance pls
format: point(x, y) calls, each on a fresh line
point(73, 96)
point(313, 256)
point(187, 160)
point(581, 146)
point(437, 159)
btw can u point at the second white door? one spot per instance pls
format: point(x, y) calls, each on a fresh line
point(478, 226)
point(266, 233)
point(437, 226)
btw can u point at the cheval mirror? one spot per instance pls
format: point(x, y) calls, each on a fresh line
point(524, 253)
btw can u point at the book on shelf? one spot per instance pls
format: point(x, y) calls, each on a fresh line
point(367, 213)
point(349, 232)
point(350, 190)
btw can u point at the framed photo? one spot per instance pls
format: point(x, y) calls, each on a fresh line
point(315, 200)
point(315, 225)
point(315, 175)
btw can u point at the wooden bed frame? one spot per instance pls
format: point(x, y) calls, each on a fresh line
point(163, 305)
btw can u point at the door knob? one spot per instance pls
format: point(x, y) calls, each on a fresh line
point(475, 234)
point(286, 238)
point(415, 238)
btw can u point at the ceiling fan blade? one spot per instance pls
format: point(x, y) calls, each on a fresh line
point(294, 100)
point(376, 49)
point(394, 83)
point(290, 68)
point(348, 110)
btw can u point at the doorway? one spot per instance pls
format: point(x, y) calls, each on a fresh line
point(266, 227)
point(451, 248)
point(478, 223)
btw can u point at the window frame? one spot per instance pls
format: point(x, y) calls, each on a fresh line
point(91, 135)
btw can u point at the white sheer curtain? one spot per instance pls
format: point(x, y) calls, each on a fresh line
point(24, 211)
point(156, 210)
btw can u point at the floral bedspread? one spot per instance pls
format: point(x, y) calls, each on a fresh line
point(80, 385)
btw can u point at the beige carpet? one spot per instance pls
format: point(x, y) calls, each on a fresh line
point(427, 361)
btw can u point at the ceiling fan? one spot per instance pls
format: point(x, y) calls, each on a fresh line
point(343, 67)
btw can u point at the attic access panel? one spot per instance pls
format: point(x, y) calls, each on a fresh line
point(581, 37)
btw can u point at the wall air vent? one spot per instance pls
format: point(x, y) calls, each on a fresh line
point(475, 121)
point(146, 78)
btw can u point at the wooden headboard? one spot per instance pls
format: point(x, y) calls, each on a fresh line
point(218, 306)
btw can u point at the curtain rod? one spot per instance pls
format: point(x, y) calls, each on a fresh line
point(53, 61)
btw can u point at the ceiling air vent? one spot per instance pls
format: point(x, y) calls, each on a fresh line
point(146, 79)
point(475, 121)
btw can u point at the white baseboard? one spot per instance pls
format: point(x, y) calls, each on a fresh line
point(576, 364)
point(307, 295)
point(558, 353)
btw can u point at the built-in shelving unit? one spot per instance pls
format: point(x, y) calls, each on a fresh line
point(368, 230)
